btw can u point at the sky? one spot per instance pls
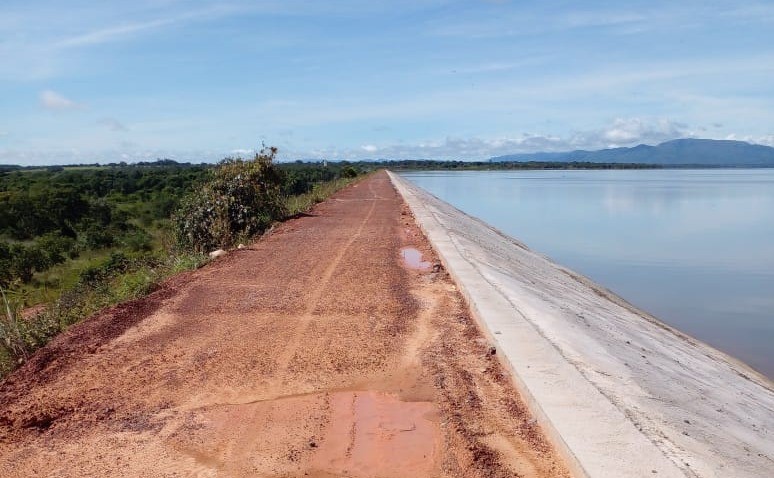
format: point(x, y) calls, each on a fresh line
point(193, 80)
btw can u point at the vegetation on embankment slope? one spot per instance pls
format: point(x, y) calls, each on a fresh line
point(80, 239)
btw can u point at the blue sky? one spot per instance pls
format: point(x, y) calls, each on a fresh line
point(85, 81)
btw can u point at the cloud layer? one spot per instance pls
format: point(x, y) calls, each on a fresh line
point(200, 79)
point(112, 124)
point(51, 100)
point(621, 132)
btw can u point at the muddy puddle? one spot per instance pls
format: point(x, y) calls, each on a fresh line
point(412, 258)
point(377, 434)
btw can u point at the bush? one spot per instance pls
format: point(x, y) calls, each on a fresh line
point(18, 261)
point(138, 241)
point(241, 198)
point(95, 236)
point(349, 172)
point(56, 247)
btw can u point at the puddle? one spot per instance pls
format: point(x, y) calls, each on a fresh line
point(413, 259)
point(376, 434)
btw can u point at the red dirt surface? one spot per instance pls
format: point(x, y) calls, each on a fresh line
point(317, 351)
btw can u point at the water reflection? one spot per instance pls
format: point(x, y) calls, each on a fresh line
point(694, 247)
point(413, 259)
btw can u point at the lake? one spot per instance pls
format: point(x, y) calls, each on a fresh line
point(695, 248)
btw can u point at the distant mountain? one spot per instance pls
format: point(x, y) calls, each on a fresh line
point(679, 152)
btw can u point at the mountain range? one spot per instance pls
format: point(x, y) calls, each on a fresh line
point(678, 152)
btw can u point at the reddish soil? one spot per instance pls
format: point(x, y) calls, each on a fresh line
point(317, 351)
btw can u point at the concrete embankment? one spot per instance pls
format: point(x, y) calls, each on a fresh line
point(621, 393)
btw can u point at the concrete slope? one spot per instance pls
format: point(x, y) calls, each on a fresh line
point(622, 393)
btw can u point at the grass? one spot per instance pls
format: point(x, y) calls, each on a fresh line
point(319, 193)
point(12, 347)
point(109, 283)
point(47, 285)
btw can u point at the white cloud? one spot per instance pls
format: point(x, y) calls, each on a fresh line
point(498, 66)
point(79, 156)
point(129, 30)
point(525, 21)
point(625, 131)
point(638, 130)
point(584, 19)
point(766, 140)
point(112, 124)
point(54, 101)
point(242, 152)
point(111, 33)
point(45, 41)
point(621, 132)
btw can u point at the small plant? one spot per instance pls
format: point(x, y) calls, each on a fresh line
point(14, 347)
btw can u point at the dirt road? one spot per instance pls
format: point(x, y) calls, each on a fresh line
point(317, 351)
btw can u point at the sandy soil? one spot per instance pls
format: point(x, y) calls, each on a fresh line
point(324, 349)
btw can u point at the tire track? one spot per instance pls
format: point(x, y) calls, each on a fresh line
point(314, 299)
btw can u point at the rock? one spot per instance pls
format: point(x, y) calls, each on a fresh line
point(216, 254)
point(241, 246)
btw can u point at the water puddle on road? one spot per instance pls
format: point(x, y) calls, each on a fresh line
point(413, 259)
point(377, 434)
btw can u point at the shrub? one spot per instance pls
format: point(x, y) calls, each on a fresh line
point(241, 198)
point(96, 236)
point(56, 247)
point(138, 240)
point(349, 172)
point(18, 261)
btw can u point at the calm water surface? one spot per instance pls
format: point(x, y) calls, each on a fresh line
point(693, 247)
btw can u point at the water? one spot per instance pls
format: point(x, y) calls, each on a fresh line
point(413, 259)
point(693, 247)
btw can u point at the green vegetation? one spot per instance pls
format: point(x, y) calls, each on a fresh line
point(56, 215)
point(319, 192)
point(116, 279)
point(78, 239)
